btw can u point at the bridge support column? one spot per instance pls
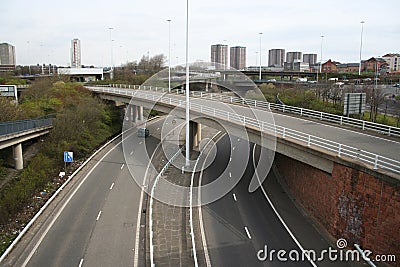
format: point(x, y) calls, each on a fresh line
point(19, 160)
point(195, 134)
point(134, 113)
point(140, 113)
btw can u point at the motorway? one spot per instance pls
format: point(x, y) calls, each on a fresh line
point(240, 224)
point(94, 223)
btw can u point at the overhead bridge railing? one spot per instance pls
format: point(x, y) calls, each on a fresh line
point(323, 116)
point(14, 127)
point(374, 160)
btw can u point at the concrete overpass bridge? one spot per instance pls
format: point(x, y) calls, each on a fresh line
point(14, 133)
point(310, 142)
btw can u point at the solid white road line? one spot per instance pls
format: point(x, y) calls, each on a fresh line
point(279, 216)
point(123, 165)
point(112, 185)
point(234, 197)
point(247, 232)
point(203, 236)
point(80, 263)
point(139, 216)
point(63, 207)
point(98, 216)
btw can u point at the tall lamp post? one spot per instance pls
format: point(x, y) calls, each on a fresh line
point(260, 54)
point(169, 55)
point(320, 60)
point(187, 154)
point(111, 54)
point(362, 29)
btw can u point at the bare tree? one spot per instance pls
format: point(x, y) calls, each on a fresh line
point(375, 98)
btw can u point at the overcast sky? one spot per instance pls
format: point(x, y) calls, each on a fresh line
point(41, 30)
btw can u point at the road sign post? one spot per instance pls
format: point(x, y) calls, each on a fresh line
point(68, 157)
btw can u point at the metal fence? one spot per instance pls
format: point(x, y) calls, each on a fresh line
point(323, 116)
point(13, 127)
point(374, 160)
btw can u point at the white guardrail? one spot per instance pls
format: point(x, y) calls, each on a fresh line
point(152, 264)
point(323, 116)
point(377, 161)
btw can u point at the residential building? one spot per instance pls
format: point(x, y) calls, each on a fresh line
point(276, 57)
point(348, 67)
point(238, 57)
point(330, 66)
point(219, 54)
point(293, 57)
point(7, 57)
point(310, 58)
point(76, 53)
point(374, 64)
point(393, 61)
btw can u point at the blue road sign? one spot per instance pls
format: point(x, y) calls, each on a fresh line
point(68, 156)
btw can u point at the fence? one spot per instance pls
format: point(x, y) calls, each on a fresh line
point(14, 127)
point(375, 160)
point(323, 116)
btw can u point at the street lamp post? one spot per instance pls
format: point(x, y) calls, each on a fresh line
point(260, 54)
point(362, 29)
point(256, 58)
point(111, 54)
point(29, 65)
point(169, 55)
point(187, 154)
point(320, 60)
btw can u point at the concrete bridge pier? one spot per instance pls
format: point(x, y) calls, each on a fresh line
point(130, 114)
point(134, 113)
point(17, 154)
point(195, 134)
point(140, 113)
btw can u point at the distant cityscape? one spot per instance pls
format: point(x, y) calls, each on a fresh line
point(278, 60)
point(235, 57)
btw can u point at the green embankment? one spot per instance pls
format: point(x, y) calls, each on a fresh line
point(82, 122)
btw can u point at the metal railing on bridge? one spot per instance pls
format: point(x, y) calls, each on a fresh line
point(374, 160)
point(14, 127)
point(303, 112)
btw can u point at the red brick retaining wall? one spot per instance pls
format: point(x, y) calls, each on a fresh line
point(350, 204)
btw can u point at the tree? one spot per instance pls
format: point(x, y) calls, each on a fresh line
point(375, 98)
point(9, 110)
point(151, 65)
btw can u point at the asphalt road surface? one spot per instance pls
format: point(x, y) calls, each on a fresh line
point(95, 222)
point(241, 224)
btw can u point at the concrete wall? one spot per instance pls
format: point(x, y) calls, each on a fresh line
point(349, 203)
